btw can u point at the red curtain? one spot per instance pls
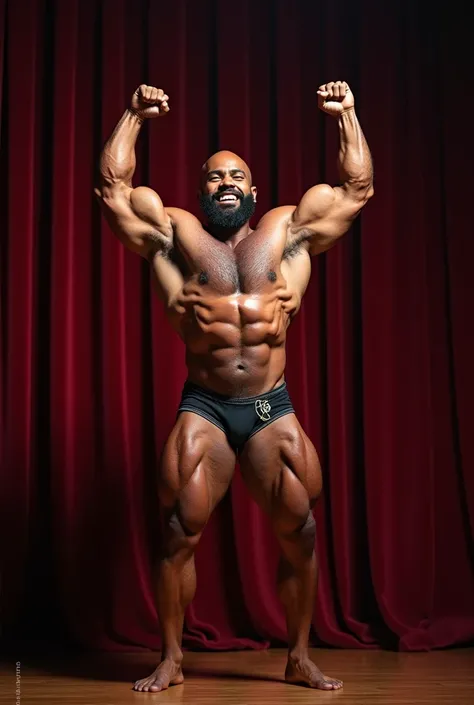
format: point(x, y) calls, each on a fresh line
point(379, 359)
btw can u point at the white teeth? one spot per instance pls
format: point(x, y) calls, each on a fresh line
point(228, 197)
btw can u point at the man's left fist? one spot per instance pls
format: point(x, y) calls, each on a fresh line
point(334, 98)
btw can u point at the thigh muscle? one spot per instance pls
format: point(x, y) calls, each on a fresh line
point(196, 469)
point(281, 468)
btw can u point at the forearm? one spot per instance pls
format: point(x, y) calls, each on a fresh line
point(117, 161)
point(355, 162)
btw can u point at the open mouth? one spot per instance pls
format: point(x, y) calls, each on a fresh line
point(227, 198)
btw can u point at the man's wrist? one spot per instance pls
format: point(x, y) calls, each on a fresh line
point(136, 115)
point(347, 111)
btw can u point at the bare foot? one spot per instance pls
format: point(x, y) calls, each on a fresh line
point(167, 673)
point(304, 671)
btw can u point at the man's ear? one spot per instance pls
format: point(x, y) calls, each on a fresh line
point(253, 189)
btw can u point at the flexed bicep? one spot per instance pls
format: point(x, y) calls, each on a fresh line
point(323, 215)
point(137, 217)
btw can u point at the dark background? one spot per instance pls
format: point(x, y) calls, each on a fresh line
point(380, 357)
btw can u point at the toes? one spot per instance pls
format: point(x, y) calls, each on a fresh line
point(326, 684)
point(142, 686)
point(334, 684)
point(155, 686)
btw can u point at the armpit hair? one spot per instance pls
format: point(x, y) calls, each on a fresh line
point(159, 244)
point(294, 246)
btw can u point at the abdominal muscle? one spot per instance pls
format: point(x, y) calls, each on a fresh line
point(242, 372)
point(235, 345)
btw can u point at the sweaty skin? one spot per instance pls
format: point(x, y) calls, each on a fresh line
point(231, 294)
point(235, 304)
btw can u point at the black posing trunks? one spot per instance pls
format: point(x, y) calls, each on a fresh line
point(239, 418)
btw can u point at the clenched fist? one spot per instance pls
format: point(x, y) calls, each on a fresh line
point(334, 98)
point(149, 102)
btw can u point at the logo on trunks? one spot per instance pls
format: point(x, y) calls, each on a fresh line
point(263, 408)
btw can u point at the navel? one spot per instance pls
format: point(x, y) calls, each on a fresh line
point(203, 278)
point(272, 276)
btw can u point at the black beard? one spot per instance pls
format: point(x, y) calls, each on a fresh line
point(227, 217)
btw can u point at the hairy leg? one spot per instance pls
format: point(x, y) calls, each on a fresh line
point(280, 467)
point(196, 470)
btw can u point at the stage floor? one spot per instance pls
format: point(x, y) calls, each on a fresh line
point(244, 678)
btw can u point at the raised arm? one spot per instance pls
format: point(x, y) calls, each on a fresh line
point(325, 213)
point(136, 216)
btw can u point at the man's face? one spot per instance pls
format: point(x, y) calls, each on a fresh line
point(227, 196)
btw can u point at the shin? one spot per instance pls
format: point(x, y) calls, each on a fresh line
point(297, 582)
point(176, 584)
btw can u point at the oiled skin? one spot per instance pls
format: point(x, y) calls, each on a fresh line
point(231, 297)
point(234, 306)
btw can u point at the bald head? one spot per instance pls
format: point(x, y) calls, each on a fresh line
point(227, 196)
point(226, 161)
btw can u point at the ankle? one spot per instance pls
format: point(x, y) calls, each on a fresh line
point(297, 654)
point(175, 655)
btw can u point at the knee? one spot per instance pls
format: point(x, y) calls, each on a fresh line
point(186, 514)
point(296, 527)
point(185, 522)
point(193, 516)
point(291, 504)
point(183, 492)
point(298, 545)
point(180, 538)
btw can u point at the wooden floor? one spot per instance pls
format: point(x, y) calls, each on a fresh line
point(245, 678)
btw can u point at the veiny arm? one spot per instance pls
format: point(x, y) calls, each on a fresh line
point(136, 215)
point(325, 213)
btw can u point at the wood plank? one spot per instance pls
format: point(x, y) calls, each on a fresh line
point(244, 678)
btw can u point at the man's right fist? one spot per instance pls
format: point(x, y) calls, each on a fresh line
point(149, 102)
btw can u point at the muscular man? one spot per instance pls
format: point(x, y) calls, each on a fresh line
point(231, 292)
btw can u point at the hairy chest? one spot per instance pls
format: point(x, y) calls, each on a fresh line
point(256, 286)
point(252, 267)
